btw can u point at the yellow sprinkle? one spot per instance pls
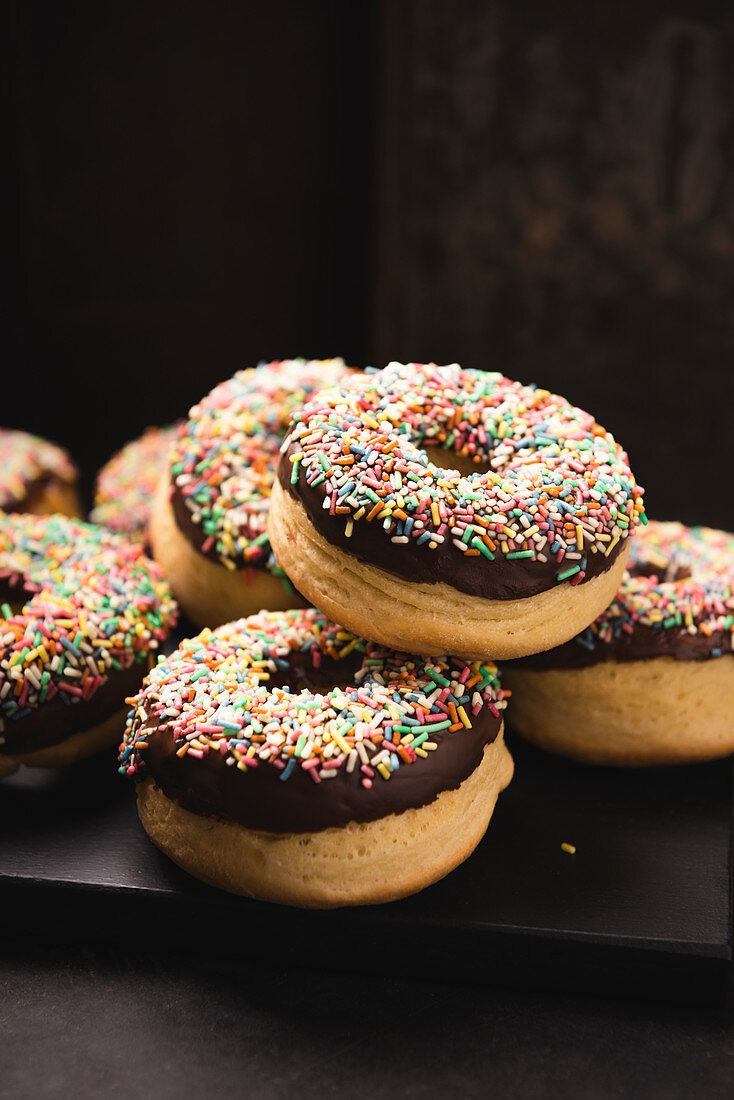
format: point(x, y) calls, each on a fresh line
point(343, 746)
point(580, 536)
point(435, 514)
point(348, 528)
point(464, 717)
point(570, 848)
point(383, 770)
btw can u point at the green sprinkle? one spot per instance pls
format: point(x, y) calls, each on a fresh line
point(567, 572)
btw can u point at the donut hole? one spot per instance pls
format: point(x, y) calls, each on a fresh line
point(466, 464)
point(303, 675)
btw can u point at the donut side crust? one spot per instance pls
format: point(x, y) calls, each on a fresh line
point(429, 619)
point(630, 714)
point(209, 593)
point(359, 864)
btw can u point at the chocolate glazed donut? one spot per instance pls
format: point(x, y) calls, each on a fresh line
point(81, 613)
point(285, 758)
point(651, 681)
point(209, 518)
point(36, 476)
point(448, 510)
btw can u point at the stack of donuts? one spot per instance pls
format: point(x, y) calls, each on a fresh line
point(357, 551)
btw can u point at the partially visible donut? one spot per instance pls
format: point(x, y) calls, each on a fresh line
point(284, 758)
point(126, 485)
point(210, 515)
point(81, 613)
point(651, 681)
point(379, 519)
point(36, 476)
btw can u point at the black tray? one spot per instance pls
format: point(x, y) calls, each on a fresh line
point(642, 906)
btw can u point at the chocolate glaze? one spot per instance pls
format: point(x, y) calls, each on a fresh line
point(644, 644)
point(495, 580)
point(54, 721)
point(195, 535)
point(258, 799)
point(192, 532)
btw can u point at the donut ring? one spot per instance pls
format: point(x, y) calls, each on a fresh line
point(36, 476)
point(210, 513)
point(372, 775)
point(126, 485)
point(93, 610)
point(431, 559)
point(651, 681)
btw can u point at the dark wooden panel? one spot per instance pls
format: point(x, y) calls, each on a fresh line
point(187, 188)
point(557, 197)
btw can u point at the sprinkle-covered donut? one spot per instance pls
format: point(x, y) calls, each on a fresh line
point(36, 476)
point(651, 681)
point(81, 612)
point(284, 758)
point(126, 485)
point(209, 525)
point(380, 520)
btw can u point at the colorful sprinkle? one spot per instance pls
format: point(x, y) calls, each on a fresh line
point(126, 485)
point(213, 692)
point(557, 485)
point(26, 460)
point(92, 603)
point(678, 579)
point(223, 461)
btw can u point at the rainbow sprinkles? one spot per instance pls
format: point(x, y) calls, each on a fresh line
point(557, 490)
point(92, 605)
point(214, 694)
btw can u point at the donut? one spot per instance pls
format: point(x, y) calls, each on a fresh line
point(209, 518)
point(441, 510)
point(284, 758)
point(36, 476)
point(651, 681)
point(81, 611)
point(126, 485)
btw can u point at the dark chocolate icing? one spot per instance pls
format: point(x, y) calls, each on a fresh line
point(496, 580)
point(192, 532)
point(644, 644)
point(258, 799)
point(54, 721)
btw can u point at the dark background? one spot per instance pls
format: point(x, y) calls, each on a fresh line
point(541, 189)
point(190, 191)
